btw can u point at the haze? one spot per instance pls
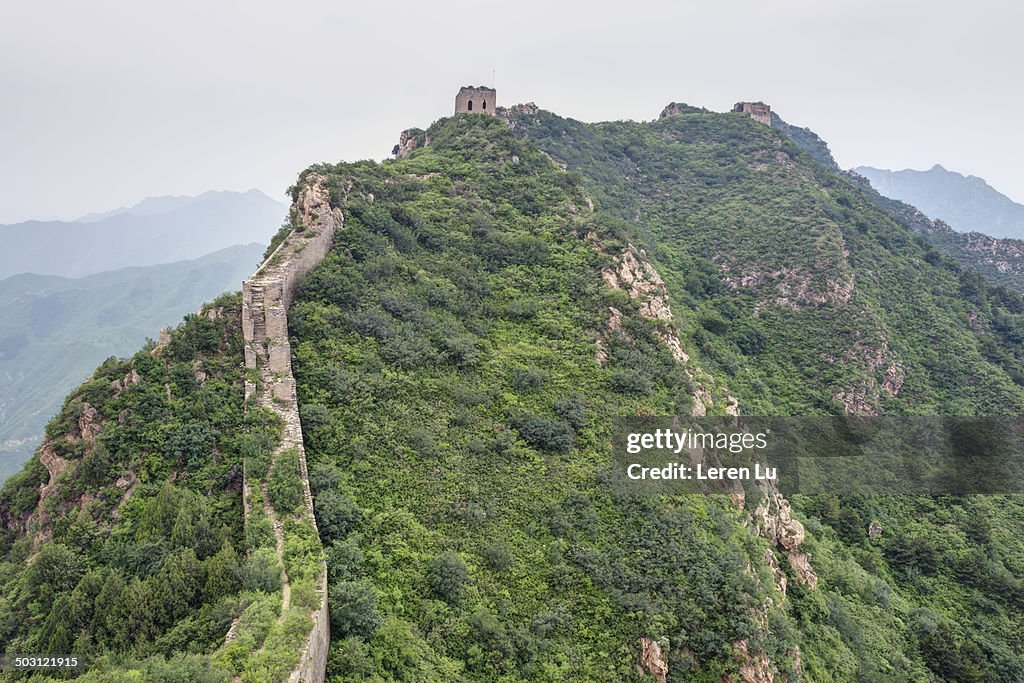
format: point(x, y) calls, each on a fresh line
point(110, 101)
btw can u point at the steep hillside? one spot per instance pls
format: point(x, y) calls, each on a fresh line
point(843, 304)
point(162, 232)
point(492, 301)
point(54, 331)
point(999, 260)
point(125, 535)
point(485, 314)
point(967, 203)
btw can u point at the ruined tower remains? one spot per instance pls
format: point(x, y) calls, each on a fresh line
point(759, 111)
point(476, 100)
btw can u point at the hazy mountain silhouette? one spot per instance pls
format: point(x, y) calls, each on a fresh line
point(55, 330)
point(966, 203)
point(156, 230)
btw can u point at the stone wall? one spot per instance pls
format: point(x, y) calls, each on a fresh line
point(476, 100)
point(759, 111)
point(266, 298)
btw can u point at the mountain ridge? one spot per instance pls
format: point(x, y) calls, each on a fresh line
point(966, 203)
point(203, 225)
point(493, 300)
point(54, 330)
point(164, 204)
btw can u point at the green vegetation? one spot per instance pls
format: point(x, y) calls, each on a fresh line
point(449, 389)
point(54, 331)
point(459, 359)
point(139, 548)
point(455, 420)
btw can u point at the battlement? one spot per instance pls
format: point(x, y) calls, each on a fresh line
point(476, 100)
point(759, 111)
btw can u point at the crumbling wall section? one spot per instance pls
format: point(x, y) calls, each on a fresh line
point(266, 298)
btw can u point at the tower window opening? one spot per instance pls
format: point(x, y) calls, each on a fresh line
point(469, 107)
point(484, 105)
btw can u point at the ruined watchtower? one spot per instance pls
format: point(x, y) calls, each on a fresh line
point(476, 100)
point(759, 111)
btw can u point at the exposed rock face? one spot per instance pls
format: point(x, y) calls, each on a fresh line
point(793, 288)
point(55, 465)
point(89, 423)
point(800, 288)
point(652, 660)
point(634, 274)
point(874, 530)
point(642, 282)
point(1004, 255)
point(314, 203)
point(529, 108)
point(771, 161)
point(777, 574)
point(87, 428)
point(862, 397)
point(614, 326)
point(673, 109)
point(753, 668)
point(410, 139)
point(511, 115)
point(773, 520)
point(162, 340)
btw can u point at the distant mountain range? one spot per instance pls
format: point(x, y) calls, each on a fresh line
point(965, 203)
point(78, 291)
point(156, 230)
point(55, 330)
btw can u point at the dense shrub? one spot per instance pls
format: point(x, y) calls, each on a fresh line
point(544, 433)
point(285, 484)
point(336, 515)
point(447, 575)
point(353, 609)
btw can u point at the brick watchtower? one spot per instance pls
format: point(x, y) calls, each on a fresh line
point(474, 100)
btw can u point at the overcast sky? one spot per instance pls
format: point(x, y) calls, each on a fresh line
point(108, 101)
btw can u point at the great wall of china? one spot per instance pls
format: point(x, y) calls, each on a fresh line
point(266, 298)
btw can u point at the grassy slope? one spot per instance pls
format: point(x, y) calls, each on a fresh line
point(453, 404)
point(440, 326)
point(930, 591)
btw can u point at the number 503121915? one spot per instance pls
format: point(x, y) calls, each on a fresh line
point(24, 662)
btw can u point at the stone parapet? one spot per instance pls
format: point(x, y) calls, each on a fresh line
point(266, 298)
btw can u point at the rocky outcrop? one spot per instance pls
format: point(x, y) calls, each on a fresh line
point(793, 288)
point(409, 140)
point(773, 520)
point(266, 298)
point(652, 660)
point(754, 668)
point(512, 115)
point(674, 108)
point(633, 273)
point(882, 375)
point(86, 428)
point(89, 423)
